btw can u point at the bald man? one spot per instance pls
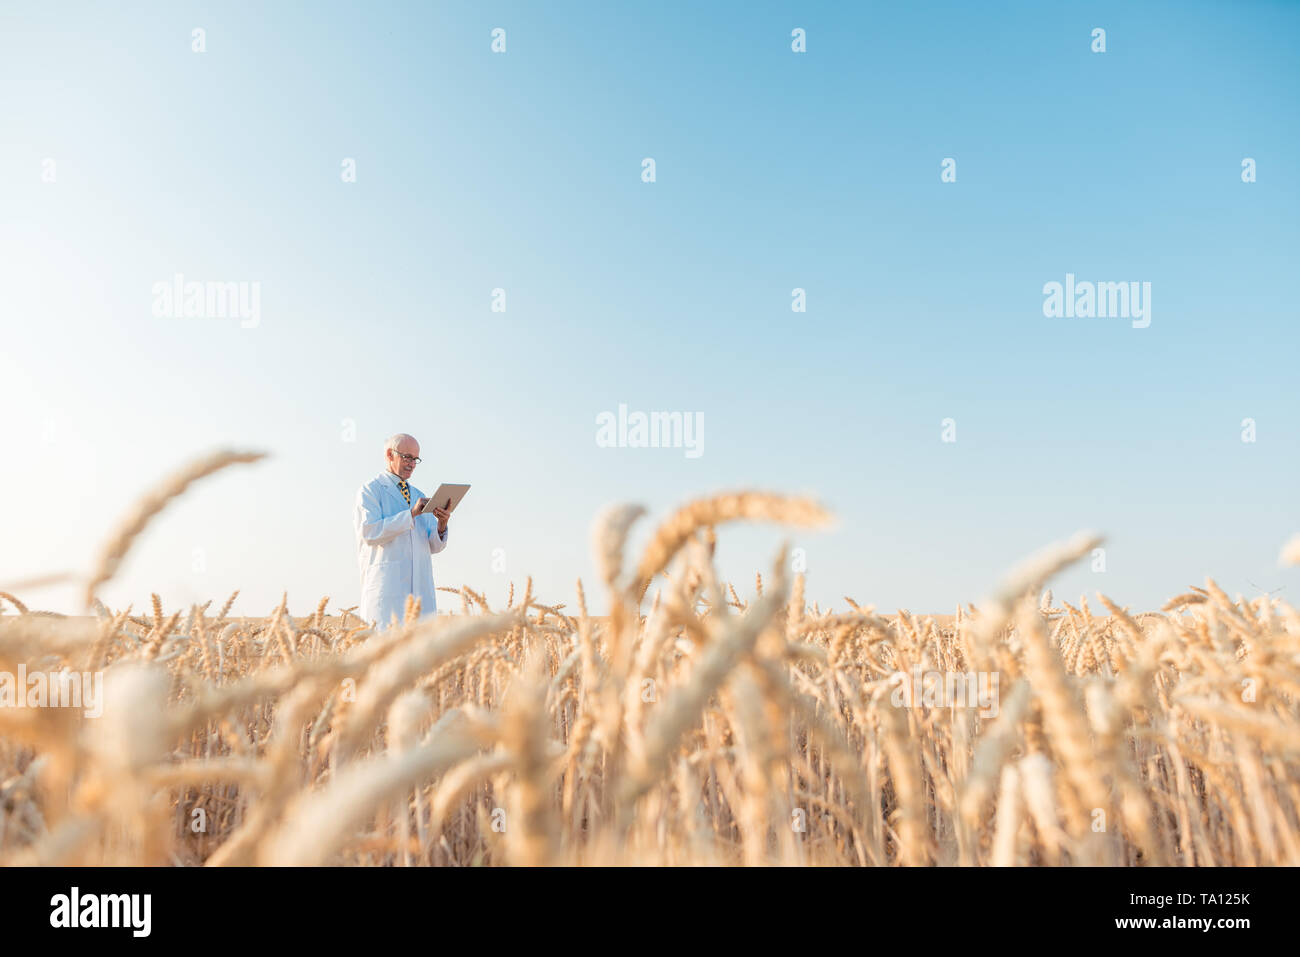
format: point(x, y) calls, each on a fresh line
point(393, 543)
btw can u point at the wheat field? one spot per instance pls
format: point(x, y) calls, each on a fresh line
point(691, 725)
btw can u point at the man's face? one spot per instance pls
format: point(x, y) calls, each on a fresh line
point(403, 467)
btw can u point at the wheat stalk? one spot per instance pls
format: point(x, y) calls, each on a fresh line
point(119, 542)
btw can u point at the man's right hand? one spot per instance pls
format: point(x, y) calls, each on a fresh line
point(419, 504)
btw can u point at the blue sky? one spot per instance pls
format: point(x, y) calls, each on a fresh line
point(775, 170)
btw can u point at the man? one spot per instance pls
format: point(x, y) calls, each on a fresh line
point(393, 544)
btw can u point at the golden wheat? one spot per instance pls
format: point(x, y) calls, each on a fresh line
point(711, 728)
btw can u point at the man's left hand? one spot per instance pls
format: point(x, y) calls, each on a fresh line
point(441, 514)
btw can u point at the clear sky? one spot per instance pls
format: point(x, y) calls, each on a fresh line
point(775, 170)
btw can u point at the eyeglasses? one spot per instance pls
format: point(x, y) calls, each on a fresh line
point(413, 459)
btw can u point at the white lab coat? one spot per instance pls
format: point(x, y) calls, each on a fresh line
point(393, 549)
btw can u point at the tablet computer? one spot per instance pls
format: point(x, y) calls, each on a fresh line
point(447, 496)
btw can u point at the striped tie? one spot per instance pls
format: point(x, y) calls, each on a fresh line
point(405, 494)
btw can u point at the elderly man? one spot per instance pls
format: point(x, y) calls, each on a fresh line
point(393, 543)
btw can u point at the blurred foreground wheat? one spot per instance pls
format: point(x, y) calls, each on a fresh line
point(706, 728)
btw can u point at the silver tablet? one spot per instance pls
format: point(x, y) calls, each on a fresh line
point(447, 496)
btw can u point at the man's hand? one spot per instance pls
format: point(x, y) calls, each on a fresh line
point(441, 514)
point(417, 506)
